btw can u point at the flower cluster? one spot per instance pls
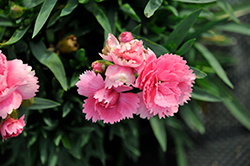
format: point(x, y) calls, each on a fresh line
point(163, 83)
point(17, 83)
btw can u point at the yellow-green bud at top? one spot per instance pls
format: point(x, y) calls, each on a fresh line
point(67, 45)
point(16, 11)
point(27, 103)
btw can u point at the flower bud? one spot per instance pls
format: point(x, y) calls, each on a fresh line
point(68, 44)
point(16, 11)
point(125, 37)
point(11, 127)
point(100, 66)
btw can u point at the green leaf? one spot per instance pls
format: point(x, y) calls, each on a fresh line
point(205, 95)
point(83, 1)
point(43, 150)
point(151, 7)
point(51, 60)
point(204, 28)
point(99, 15)
point(180, 152)
point(196, 1)
point(18, 34)
point(224, 5)
point(185, 47)
point(6, 23)
point(237, 28)
point(180, 31)
point(156, 48)
point(159, 130)
point(43, 15)
point(53, 157)
point(53, 19)
point(127, 9)
point(191, 119)
point(199, 74)
point(67, 108)
point(234, 106)
point(214, 63)
point(41, 103)
point(66, 143)
point(30, 4)
point(71, 5)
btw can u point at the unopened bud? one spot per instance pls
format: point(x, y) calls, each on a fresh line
point(125, 37)
point(100, 66)
point(68, 44)
point(16, 11)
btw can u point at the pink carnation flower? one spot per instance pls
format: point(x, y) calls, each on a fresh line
point(125, 37)
point(110, 105)
point(130, 54)
point(12, 127)
point(17, 82)
point(119, 75)
point(166, 83)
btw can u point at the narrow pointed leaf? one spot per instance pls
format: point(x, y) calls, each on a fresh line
point(213, 63)
point(159, 130)
point(18, 34)
point(236, 28)
point(228, 9)
point(234, 106)
point(180, 31)
point(191, 119)
point(199, 74)
point(51, 60)
point(127, 9)
point(204, 95)
point(70, 6)
point(41, 103)
point(185, 47)
point(151, 7)
point(197, 1)
point(180, 152)
point(43, 15)
point(99, 15)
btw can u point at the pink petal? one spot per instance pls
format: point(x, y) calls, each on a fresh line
point(142, 110)
point(89, 83)
point(11, 102)
point(110, 115)
point(28, 89)
point(17, 73)
point(118, 75)
point(128, 104)
point(89, 109)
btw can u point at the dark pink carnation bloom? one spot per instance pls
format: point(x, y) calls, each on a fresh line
point(12, 127)
point(166, 83)
point(107, 104)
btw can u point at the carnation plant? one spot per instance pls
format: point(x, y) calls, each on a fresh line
point(102, 82)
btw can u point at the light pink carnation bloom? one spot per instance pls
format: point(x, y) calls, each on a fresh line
point(17, 82)
point(125, 37)
point(119, 75)
point(166, 83)
point(130, 54)
point(110, 105)
point(12, 127)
